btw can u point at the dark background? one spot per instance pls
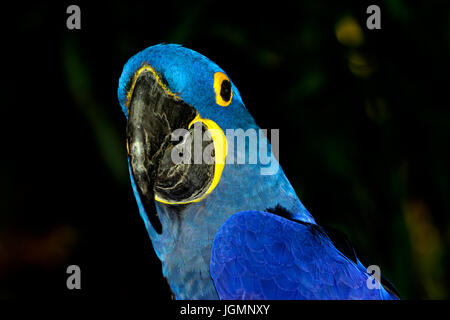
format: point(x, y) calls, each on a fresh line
point(363, 115)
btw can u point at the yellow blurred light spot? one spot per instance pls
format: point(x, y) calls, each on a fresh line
point(359, 65)
point(348, 32)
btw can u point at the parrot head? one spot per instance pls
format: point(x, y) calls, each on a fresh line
point(168, 93)
point(165, 88)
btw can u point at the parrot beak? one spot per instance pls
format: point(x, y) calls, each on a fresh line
point(154, 114)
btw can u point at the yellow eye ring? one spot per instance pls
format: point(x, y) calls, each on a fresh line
point(223, 89)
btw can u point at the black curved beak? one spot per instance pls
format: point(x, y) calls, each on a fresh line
point(153, 115)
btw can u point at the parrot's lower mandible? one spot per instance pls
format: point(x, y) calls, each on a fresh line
point(223, 227)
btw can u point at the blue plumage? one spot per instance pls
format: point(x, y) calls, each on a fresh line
point(259, 255)
point(256, 254)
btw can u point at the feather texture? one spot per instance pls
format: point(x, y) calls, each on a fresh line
point(259, 255)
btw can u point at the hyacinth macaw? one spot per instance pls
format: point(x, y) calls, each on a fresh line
point(223, 231)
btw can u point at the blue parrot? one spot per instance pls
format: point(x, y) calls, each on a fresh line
point(223, 230)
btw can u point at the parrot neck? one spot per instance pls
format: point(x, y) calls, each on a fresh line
point(188, 230)
point(184, 247)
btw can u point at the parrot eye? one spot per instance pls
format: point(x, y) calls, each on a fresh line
point(222, 88)
point(225, 90)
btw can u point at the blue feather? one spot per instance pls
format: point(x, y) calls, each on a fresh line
point(286, 260)
point(209, 251)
